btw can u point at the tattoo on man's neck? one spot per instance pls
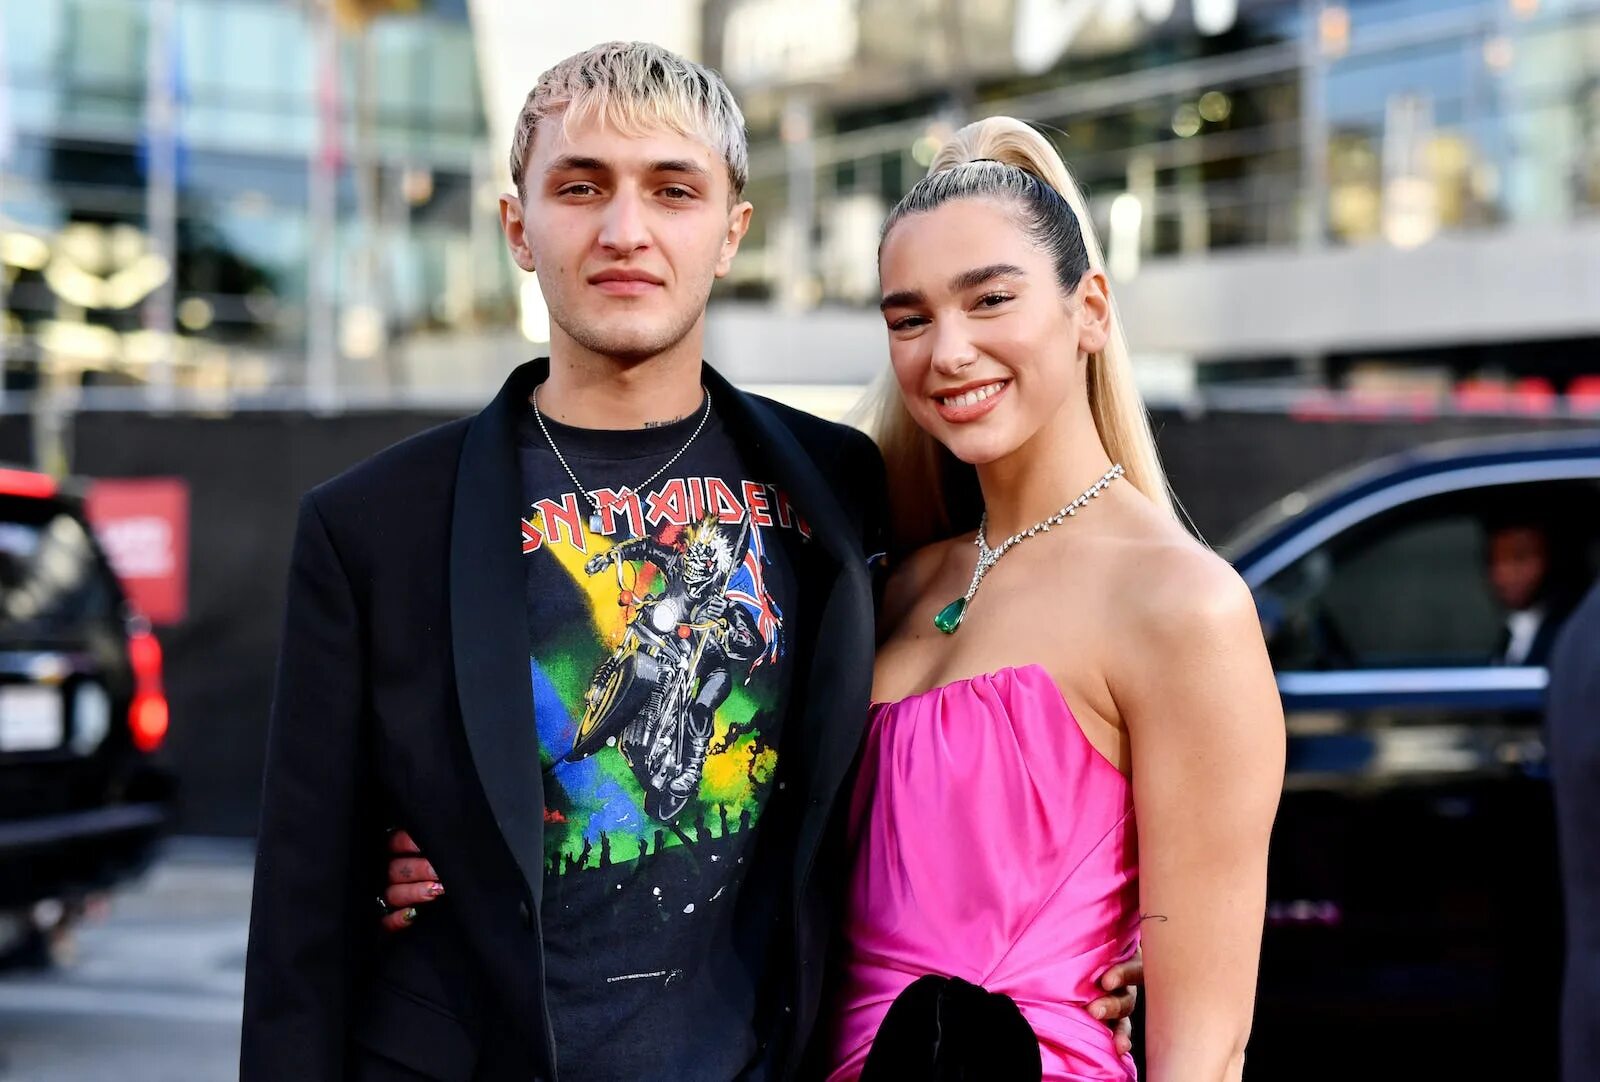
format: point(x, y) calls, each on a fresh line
point(664, 424)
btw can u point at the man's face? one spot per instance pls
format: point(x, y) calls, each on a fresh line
point(626, 234)
point(1519, 560)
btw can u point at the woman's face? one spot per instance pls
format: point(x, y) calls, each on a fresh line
point(986, 346)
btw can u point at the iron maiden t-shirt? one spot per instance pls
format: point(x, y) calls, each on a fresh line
point(659, 654)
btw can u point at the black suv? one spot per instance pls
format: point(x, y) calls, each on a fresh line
point(82, 712)
point(1414, 925)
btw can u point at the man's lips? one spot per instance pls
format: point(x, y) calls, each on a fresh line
point(625, 283)
point(970, 401)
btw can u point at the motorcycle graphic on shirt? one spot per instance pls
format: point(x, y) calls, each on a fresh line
point(656, 697)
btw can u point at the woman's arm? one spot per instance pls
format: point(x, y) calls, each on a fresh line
point(1199, 700)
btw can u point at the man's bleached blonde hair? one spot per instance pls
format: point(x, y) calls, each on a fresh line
point(636, 87)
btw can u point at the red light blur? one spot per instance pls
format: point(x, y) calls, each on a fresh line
point(148, 717)
point(38, 486)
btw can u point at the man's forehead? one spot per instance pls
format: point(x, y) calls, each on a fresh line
point(598, 139)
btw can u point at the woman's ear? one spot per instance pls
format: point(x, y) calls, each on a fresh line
point(1094, 312)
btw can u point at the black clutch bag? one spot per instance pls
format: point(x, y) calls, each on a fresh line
point(944, 1029)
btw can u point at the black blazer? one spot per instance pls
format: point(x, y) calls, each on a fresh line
point(403, 698)
point(1572, 724)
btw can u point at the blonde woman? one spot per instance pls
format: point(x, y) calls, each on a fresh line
point(1076, 744)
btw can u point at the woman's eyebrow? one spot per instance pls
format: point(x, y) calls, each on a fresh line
point(982, 275)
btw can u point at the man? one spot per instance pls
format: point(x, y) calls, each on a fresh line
point(1572, 724)
point(1524, 579)
point(624, 743)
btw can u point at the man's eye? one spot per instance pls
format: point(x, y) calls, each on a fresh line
point(579, 189)
point(677, 193)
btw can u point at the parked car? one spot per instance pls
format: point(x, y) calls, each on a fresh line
point(1414, 918)
point(83, 795)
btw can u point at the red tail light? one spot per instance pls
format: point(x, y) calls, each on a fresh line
point(148, 716)
point(27, 483)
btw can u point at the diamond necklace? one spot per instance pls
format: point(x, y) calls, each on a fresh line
point(949, 617)
point(594, 517)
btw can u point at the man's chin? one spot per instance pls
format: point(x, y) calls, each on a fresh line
point(631, 346)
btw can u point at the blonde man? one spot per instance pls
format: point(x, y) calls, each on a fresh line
point(604, 650)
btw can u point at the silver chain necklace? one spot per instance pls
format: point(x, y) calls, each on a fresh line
point(949, 618)
point(594, 517)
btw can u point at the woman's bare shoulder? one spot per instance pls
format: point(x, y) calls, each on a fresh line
point(1174, 586)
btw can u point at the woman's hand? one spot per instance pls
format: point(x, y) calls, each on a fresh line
point(1115, 1008)
point(412, 882)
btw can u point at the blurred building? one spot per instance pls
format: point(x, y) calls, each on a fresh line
point(236, 197)
point(1394, 195)
point(1382, 195)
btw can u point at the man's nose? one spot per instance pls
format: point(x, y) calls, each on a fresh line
point(623, 230)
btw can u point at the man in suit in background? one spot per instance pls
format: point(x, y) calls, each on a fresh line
point(1572, 723)
point(1529, 579)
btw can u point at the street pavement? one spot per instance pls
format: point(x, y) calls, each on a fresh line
point(151, 992)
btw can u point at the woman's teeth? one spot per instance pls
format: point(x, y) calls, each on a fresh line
point(972, 398)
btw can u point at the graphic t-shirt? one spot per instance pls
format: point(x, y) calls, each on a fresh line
point(658, 631)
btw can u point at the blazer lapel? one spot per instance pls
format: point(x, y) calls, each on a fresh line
point(489, 625)
point(840, 662)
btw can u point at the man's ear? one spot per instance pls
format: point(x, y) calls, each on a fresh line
point(738, 225)
point(513, 226)
point(1094, 312)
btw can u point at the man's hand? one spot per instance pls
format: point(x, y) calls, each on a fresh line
point(1121, 983)
point(412, 882)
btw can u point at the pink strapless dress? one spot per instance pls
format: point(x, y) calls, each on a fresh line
point(992, 842)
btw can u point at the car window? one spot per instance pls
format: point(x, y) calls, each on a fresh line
point(1477, 577)
point(53, 586)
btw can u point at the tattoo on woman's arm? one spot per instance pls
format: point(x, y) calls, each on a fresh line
point(1151, 916)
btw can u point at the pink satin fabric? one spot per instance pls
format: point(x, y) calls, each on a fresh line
point(992, 842)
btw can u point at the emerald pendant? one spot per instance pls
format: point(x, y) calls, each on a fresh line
point(949, 617)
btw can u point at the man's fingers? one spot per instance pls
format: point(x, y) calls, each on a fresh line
point(399, 919)
point(1125, 1036)
point(403, 895)
point(1124, 974)
point(411, 870)
point(400, 842)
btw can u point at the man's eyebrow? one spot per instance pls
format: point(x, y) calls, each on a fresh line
point(574, 163)
point(679, 165)
point(904, 298)
point(980, 275)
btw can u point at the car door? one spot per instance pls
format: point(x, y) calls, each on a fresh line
point(1413, 908)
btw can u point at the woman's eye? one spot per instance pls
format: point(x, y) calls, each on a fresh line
point(906, 323)
point(993, 300)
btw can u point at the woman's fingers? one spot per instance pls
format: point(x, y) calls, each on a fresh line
point(404, 895)
point(399, 919)
point(411, 870)
point(400, 842)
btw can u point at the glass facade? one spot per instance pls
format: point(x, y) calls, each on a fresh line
point(1308, 124)
point(408, 240)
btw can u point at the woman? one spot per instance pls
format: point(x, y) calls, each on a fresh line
point(1076, 742)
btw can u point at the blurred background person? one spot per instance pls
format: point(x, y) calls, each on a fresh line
point(1534, 574)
